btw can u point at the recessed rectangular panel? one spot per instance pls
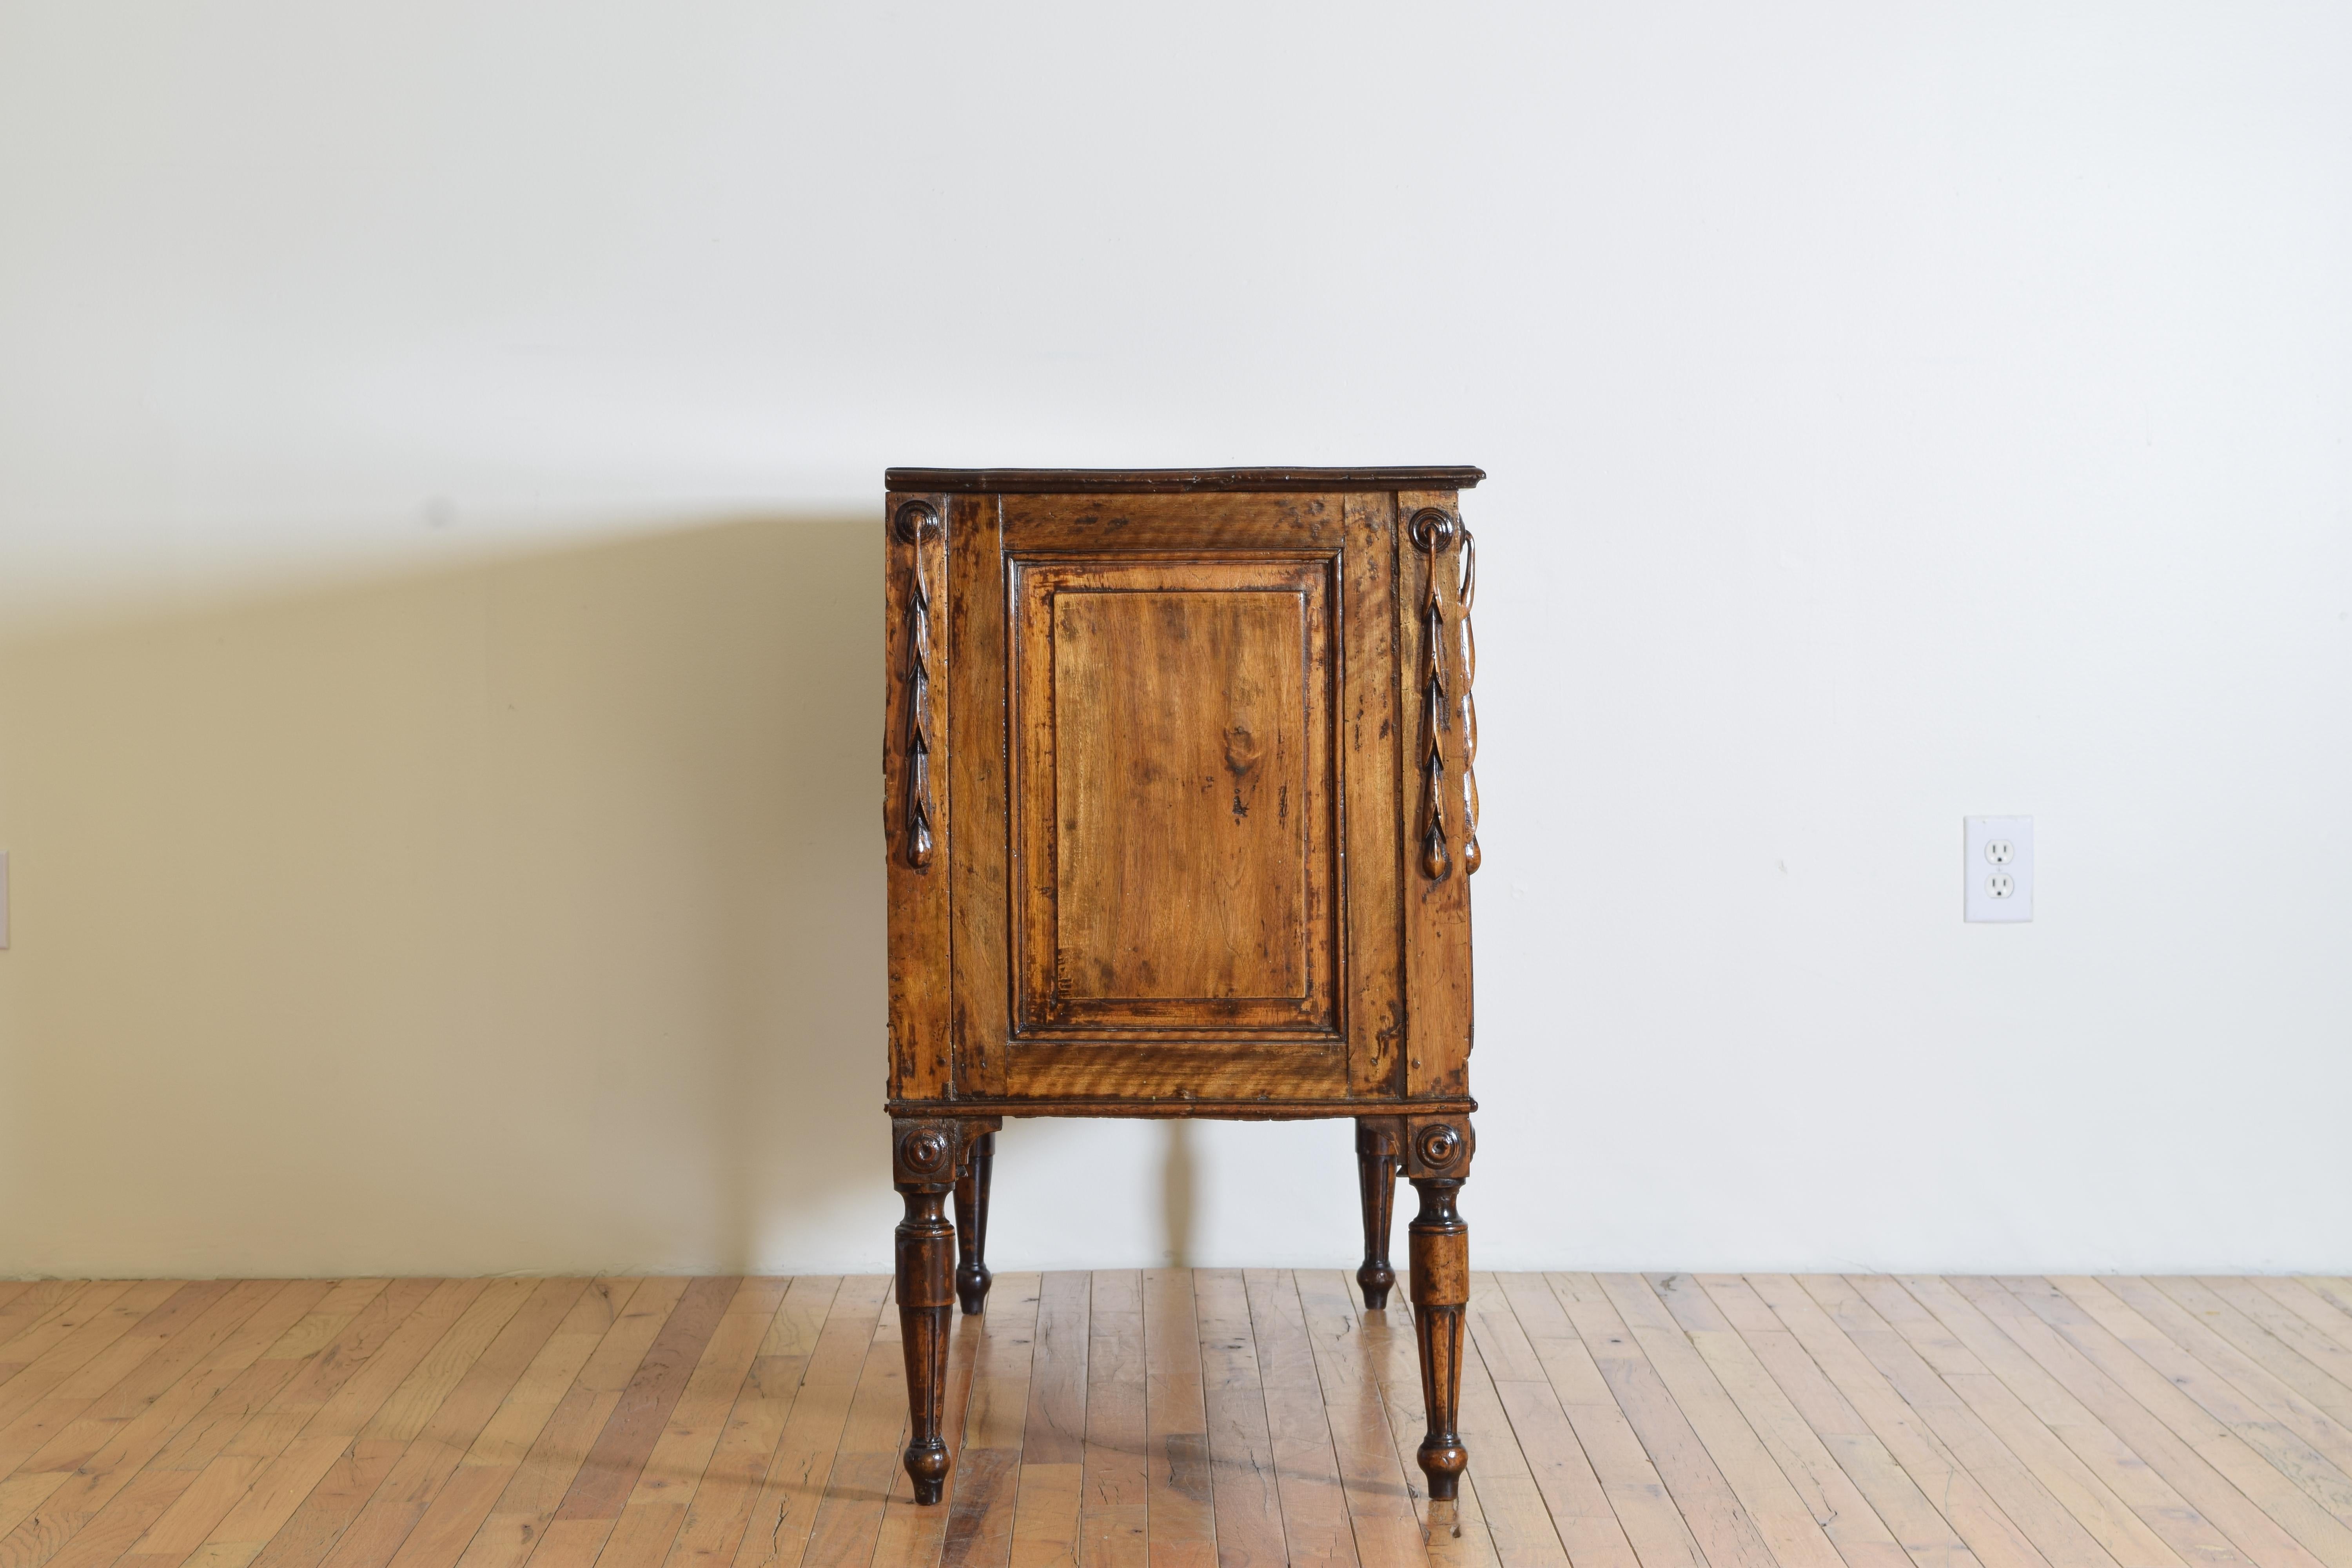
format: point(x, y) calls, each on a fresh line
point(1179, 762)
point(1177, 838)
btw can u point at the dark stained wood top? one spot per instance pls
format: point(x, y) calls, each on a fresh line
point(1083, 482)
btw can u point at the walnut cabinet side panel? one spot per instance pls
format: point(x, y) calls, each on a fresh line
point(1001, 989)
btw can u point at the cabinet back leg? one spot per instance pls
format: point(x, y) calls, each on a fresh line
point(1376, 1170)
point(971, 1223)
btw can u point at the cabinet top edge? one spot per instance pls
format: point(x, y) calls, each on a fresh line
point(1090, 481)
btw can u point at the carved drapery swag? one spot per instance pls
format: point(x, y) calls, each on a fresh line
point(915, 522)
point(1432, 534)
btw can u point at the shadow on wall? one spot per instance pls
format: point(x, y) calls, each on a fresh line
point(518, 917)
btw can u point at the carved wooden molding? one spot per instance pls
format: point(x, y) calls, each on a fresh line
point(1432, 532)
point(915, 522)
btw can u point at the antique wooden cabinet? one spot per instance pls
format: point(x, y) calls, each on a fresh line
point(1179, 812)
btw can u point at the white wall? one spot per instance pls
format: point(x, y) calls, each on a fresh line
point(440, 450)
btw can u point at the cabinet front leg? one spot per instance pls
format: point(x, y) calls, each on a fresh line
point(1437, 1158)
point(925, 1171)
point(971, 1275)
point(1440, 1291)
point(1376, 1169)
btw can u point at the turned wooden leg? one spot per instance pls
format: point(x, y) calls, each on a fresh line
point(1376, 1168)
point(1440, 1290)
point(925, 1170)
point(971, 1275)
point(1437, 1159)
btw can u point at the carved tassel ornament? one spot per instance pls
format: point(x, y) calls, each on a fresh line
point(1432, 532)
point(1471, 858)
point(915, 522)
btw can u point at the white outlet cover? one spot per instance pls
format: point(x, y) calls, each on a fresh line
point(1997, 869)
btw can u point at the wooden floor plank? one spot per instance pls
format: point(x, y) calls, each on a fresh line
point(308, 1365)
point(2277, 1306)
point(2199, 1362)
point(865, 1464)
point(1244, 1491)
point(2312, 1300)
point(442, 1435)
point(2337, 1293)
point(57, 1341)
point(1127, 1420)
point(1893, 1427)
point(2269, 1370)
point(1654, 1528)
point(1920, 1524)
point(2006, 1476)
point(521, 1520)
point(1509, 1498)
point(2178, 1461)
point(86, 1346)
point(2245, 1464)
point(793, 1490)
point(1114, 1507)
point(729, 1483)
point(656, 1509)
point(1054, 1433)
point(914, 1535)
point(2063, 1474)
point(175, 1468)
point(1853, 1525)
point(383, 1436)
point(1176, 1425)
point(1380, 1503)
point(490, 1461)
point(1315, 1521)
point(33, 1300)
point(1722, 1525)
point(121, 1491)
point(1455, 1534)
point(2142, 1487)
point(987, 1475)
point(102, 1452)
point(609, 1475)
point(1558, 1466)
point(1791, 1528)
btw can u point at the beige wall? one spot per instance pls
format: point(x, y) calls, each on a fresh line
point(1894, 413)
point(522, 916)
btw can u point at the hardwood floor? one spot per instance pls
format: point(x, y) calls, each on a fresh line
point(1178, 1420)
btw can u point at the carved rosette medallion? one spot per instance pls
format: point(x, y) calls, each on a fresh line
point(915, 522)
point(926, 1153)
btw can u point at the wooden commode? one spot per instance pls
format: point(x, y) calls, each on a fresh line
point(1180, 809)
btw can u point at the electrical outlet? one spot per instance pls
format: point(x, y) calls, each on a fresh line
point(1997, 869)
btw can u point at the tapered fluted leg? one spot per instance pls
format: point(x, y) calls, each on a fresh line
point(925, 1238)
point(924, 1165)
point(925, 1243)
point(971, 1275)
point(1376, 1168)
point(1440, 1290)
